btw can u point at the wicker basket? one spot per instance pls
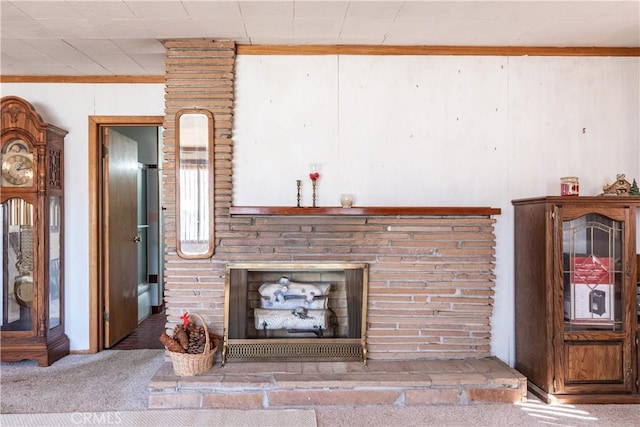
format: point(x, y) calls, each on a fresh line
point(188, 365)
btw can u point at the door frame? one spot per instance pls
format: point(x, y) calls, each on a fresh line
point(96, 218)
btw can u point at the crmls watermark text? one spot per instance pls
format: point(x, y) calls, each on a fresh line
point(96, 418)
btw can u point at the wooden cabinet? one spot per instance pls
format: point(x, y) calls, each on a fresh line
point(575, 298)
point(31, 218)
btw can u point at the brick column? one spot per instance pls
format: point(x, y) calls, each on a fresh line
point(199, 74)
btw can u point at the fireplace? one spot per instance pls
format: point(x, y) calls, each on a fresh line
point(295, 311)
point(430, 269)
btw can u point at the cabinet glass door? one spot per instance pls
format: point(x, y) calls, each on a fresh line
point(592, 273)
point(17, 265)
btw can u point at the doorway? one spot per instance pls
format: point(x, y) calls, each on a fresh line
point(125, 218)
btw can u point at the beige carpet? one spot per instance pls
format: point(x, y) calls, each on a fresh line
point(169, 418)
point(110, 388)
point(112, 380)
point(528, 414)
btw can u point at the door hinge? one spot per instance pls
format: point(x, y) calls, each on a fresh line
point(106, 316)
point(105, 150)
point(555, 385)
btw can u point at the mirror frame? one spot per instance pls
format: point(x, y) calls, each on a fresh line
point(180, 187)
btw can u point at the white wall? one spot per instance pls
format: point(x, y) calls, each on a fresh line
point(407, 130)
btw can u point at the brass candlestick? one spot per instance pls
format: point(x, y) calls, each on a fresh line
point(313, 185)
point(314, 175)
point(298, 183)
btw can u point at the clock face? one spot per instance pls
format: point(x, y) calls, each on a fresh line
point(17, 169)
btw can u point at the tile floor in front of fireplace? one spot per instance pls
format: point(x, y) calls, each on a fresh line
point(254, 385)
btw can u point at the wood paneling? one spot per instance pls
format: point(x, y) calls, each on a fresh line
point(82, 79)
point(593, 362)
point(370, 211)
point(435, 50)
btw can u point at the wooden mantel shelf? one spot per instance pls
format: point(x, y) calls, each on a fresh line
point(366, 211)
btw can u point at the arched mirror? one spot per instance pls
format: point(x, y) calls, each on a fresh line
point(194, 183)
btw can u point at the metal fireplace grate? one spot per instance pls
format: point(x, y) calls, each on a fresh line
point(298, 349)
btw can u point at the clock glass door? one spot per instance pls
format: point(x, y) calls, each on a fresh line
point(17, 265)
point(55, 301)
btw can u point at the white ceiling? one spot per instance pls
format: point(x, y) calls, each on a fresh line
point(122, 37)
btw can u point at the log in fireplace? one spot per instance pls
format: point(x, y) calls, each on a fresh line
point(295, 311)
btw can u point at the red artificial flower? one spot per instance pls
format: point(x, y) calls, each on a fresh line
point(185, 319)
point(314, 176)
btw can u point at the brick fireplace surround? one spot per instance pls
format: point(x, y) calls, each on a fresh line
point(431, 280)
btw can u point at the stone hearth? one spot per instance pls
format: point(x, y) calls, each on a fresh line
point(253, 385)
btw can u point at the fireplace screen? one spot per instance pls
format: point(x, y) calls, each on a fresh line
point(295, 312)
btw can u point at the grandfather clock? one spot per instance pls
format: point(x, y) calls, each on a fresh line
point(31, 218)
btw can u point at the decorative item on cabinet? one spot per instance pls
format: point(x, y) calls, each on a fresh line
point(569, 186)
point(621, 187)
point(32, 209)
point(575, 298)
